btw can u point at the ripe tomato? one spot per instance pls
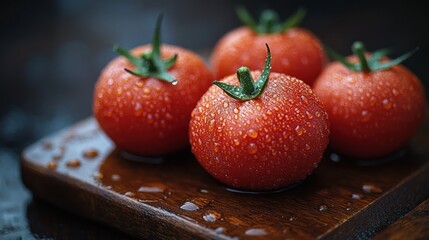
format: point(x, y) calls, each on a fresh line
point(373, 111)
point(296, 51)
point(147, 111)
point(257, 140)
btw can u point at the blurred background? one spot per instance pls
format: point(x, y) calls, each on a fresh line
point(53, 51)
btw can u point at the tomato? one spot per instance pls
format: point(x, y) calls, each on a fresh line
point(147, 111)
point(259, 136)
point(296, 51)
point(374, 110)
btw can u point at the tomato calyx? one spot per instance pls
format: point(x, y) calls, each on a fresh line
point(248, 89)
point(368, 64)
point(269, 21)
point(150, 64)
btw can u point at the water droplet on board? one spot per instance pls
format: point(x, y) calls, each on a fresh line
point(292, 219)
point(252, 133)
point(73, 163)
point(323, 208)
point(252, 148)
point(356, 196)
point(219, 230)
point(334, 157)
point(98, 175)
point(90, 153)
point(255, 232)
point(52, 165)
point(370, 188)
point(211, 216)
point(47, 145)
point(204, 191)
point(150, 189)
point(130, 194)
point(116, 178)
point(189, 206)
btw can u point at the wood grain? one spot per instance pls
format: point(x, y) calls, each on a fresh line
point(177, 198)
point(414, 225)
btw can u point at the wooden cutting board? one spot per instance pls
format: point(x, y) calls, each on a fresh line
point(79, 170)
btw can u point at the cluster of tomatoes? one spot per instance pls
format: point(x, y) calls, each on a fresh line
point(258, 134)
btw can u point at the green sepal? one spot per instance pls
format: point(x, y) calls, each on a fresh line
point(248, 89)
point(269, 22)
point(368, 64)
point(150, 64)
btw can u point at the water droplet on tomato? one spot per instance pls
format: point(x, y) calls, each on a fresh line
point(268, 138)
point(110, 81)
point(139, 84)
point(225, 104)
point(149, 118)
point(365, 115)
point(236, 142)
point(146, 90)
point(304, 99)
point(174, 82)
point(252, 148)
point(309, 115)
point(387, 104)
point(216, 147)
point(236, 111)
point(317, 114)
point(307, 147)
point(252, 133)
point(119, 91)
point(395, 92)
point(299, 130)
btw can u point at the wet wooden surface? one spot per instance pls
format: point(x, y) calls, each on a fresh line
point(79, 170)
point(414, 225)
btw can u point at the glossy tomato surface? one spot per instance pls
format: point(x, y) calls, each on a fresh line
point(147, 116)
point(262, 144)
point(372, 114)
point(296, 52)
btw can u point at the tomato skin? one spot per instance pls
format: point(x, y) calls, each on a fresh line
point(296, 52)
point(262, 144)
point(372, 114)
point(147, 116)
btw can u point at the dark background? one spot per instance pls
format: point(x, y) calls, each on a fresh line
point(52, 52)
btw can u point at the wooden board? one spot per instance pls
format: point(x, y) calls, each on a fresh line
point(79, 170)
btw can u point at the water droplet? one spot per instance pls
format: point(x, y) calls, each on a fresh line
point(387, 104)
point(139, 84)
point(116, 178)
point(52, 165)
point(204, 190)
point(73, 163)
point(130, 194)
point(309, 115)
point(47, 145)
point(110, 81)
point(365, 115)
point(252, 133)
point(236, 142)
point(189, 206)
point(174, 82)
point(211, 124)
point(216, 147)
point(348, 209)
point(255, 232)
point(151, 189)
point(225, 104)
point(304, 99)
point(323, 208)
point(119, 91)
point(395, 92)
point(90, 153)
point(356, 196)
point(317, 114)
point(219, 230)
point(370, 188)
point(299, 130)
point(211, 216)
point(292, 219)
point(146, 90)
point(307, 147)
point(268, 138)
point(236, 111)
point(252, 148)
point(334, 157)
point(98, 175)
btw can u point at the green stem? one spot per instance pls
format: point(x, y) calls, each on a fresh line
point(150, 64)
point(246, 80)
point(269, 19)
point(359, 50)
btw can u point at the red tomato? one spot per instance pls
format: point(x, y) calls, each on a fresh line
point(296, 52)
point(145, 115)
point(263, 143)
point(372, 112)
